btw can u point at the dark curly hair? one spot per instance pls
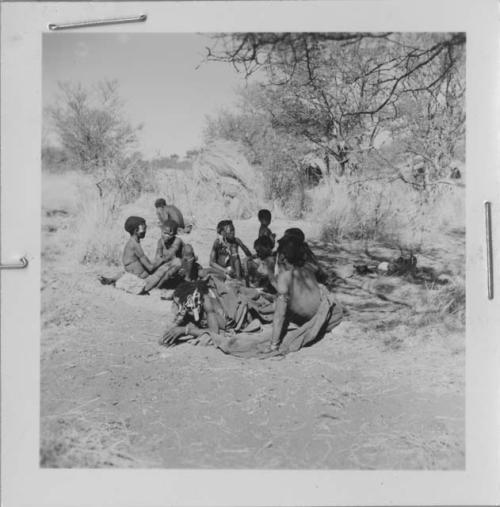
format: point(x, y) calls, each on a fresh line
point(263, 246)
point(160, 203)
point(295, 232)
point(185, 289)
point(293, 249)
point(132, 223)
point(221, 225)
point(264, 214)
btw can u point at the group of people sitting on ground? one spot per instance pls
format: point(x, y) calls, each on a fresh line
point(174, 259)
point(229, 303)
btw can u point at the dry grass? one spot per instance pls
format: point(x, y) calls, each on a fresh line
point(74, 441)
point(392, 212)
point(450, 299)
point(367, 397)
point(96, 234)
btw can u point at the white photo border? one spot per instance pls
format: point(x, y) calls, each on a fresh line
point(23, 482)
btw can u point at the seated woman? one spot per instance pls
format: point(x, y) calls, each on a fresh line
point(225, 261)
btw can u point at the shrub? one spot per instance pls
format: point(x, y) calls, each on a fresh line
point(123, 181)
point(100, 233)
point(450, 299)
point(391, 212)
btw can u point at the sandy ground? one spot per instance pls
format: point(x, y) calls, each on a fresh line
point(384, 390)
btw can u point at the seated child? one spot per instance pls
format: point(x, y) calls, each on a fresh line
point(264, 275)
point(264, 216)
point(224, 256)
point(172, 250)
point(166, 212)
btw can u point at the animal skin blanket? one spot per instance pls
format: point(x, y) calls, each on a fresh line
point(241, 304)
point(246, 345)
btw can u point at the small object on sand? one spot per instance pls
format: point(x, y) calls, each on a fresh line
point(443, 279)
point(364, 269)
point(105, 280)
point(383, 267)
point(361, 269)
point(344, 270)
point(403, 265)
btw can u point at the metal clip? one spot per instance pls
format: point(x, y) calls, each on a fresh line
point(489, 248)
point(98, 22)
point(24, 264)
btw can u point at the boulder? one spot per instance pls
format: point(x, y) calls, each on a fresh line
point(223, 176)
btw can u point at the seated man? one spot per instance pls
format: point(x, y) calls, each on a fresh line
point(141, 275)
point(304, 310)
point(311, 259)
point(299, 295)
point(166, 212)
point(171, 249)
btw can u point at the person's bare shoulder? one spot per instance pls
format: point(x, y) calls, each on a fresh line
point(137, 249)
point(129, 246)
point(176, 244)
point(283, 282)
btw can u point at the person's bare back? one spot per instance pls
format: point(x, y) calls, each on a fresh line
point(304, 294)
point(299, 295)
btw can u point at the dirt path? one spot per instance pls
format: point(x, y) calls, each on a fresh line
point(378, 393)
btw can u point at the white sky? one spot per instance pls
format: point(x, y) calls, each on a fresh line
point(158, 80)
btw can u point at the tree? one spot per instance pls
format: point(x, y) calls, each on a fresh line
point(338, 91)
point(278, 153)
point(192, 153)
point(92, 128)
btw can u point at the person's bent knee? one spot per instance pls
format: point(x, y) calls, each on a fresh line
point(187, 251)
point(208, 305)
point(162, 269)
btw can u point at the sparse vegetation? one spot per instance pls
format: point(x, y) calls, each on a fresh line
point(76, 442)
point(353, 138)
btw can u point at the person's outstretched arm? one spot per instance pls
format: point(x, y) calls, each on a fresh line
point(143, 259)
point(245, 249)
point(159, 254)
point(283, 288)
point(173, 333)
point(170, 253)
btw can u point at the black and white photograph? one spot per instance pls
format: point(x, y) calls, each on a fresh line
point(253, 250)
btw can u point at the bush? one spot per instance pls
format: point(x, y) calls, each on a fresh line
point(450, 299)
point(123, 181)
point(100, 233)
point(91, 124)
point(390, 212)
